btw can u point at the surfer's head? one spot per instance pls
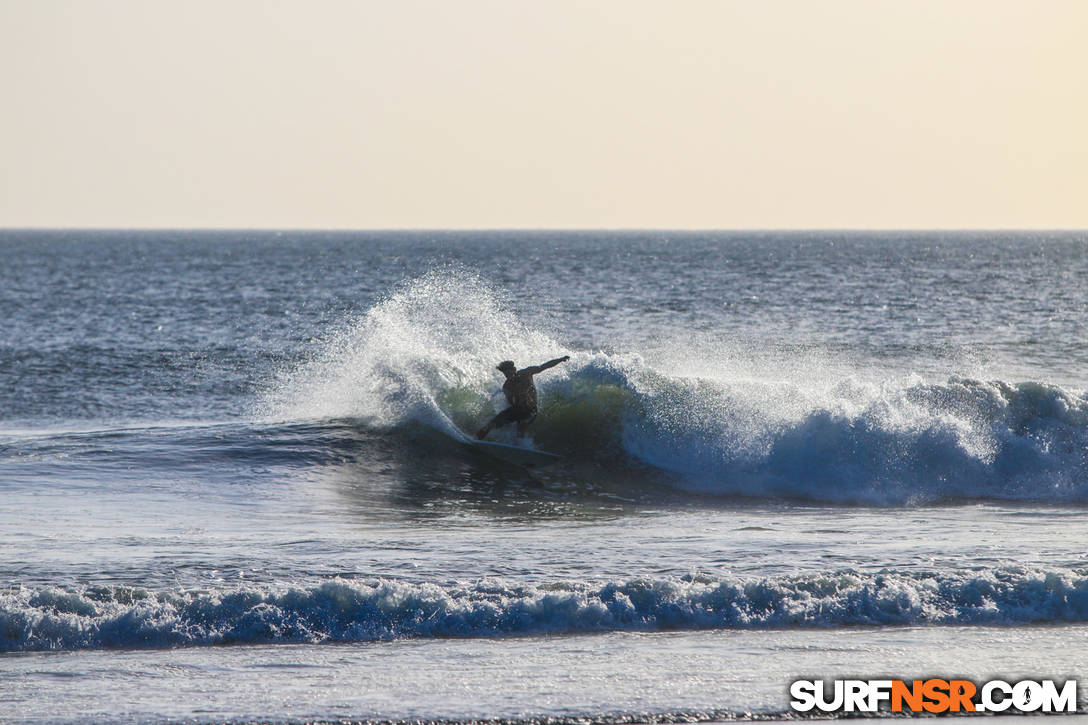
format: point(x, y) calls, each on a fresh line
point(508, 367)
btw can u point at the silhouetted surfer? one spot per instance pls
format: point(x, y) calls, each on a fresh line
point(520, 392)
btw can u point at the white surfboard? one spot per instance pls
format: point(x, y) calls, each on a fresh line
point(520, 455)
point(514, 454)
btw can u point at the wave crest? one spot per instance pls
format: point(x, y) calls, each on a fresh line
point(359, 611)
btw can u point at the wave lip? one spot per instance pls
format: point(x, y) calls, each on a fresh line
point(374, 610)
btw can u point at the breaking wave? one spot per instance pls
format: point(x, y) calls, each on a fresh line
point(425, 355)
point(343, 610)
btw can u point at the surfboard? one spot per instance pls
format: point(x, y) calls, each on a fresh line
point(514, 454)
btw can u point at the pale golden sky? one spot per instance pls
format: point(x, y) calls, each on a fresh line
point(551, 113)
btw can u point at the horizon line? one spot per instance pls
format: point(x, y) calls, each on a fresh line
point(33, 228)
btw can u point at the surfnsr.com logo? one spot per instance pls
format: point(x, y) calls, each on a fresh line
point(933, 696)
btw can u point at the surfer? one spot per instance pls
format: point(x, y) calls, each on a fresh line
point(520, 392)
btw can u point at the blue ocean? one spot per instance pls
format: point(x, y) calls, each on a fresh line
point(234, 488)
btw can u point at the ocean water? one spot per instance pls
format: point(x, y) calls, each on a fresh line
point(231, 487)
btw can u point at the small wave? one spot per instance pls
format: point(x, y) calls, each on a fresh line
point(375, 610)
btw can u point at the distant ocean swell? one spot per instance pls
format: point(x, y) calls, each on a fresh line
point(722, 425)
point(376, 610)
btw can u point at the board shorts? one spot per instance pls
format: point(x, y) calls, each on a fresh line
point(513, 415)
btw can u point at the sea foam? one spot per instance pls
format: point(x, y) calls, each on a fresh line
point(343, 610)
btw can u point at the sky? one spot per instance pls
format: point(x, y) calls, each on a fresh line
point(774, 114)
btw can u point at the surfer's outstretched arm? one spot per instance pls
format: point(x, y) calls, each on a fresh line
point(534, 369)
